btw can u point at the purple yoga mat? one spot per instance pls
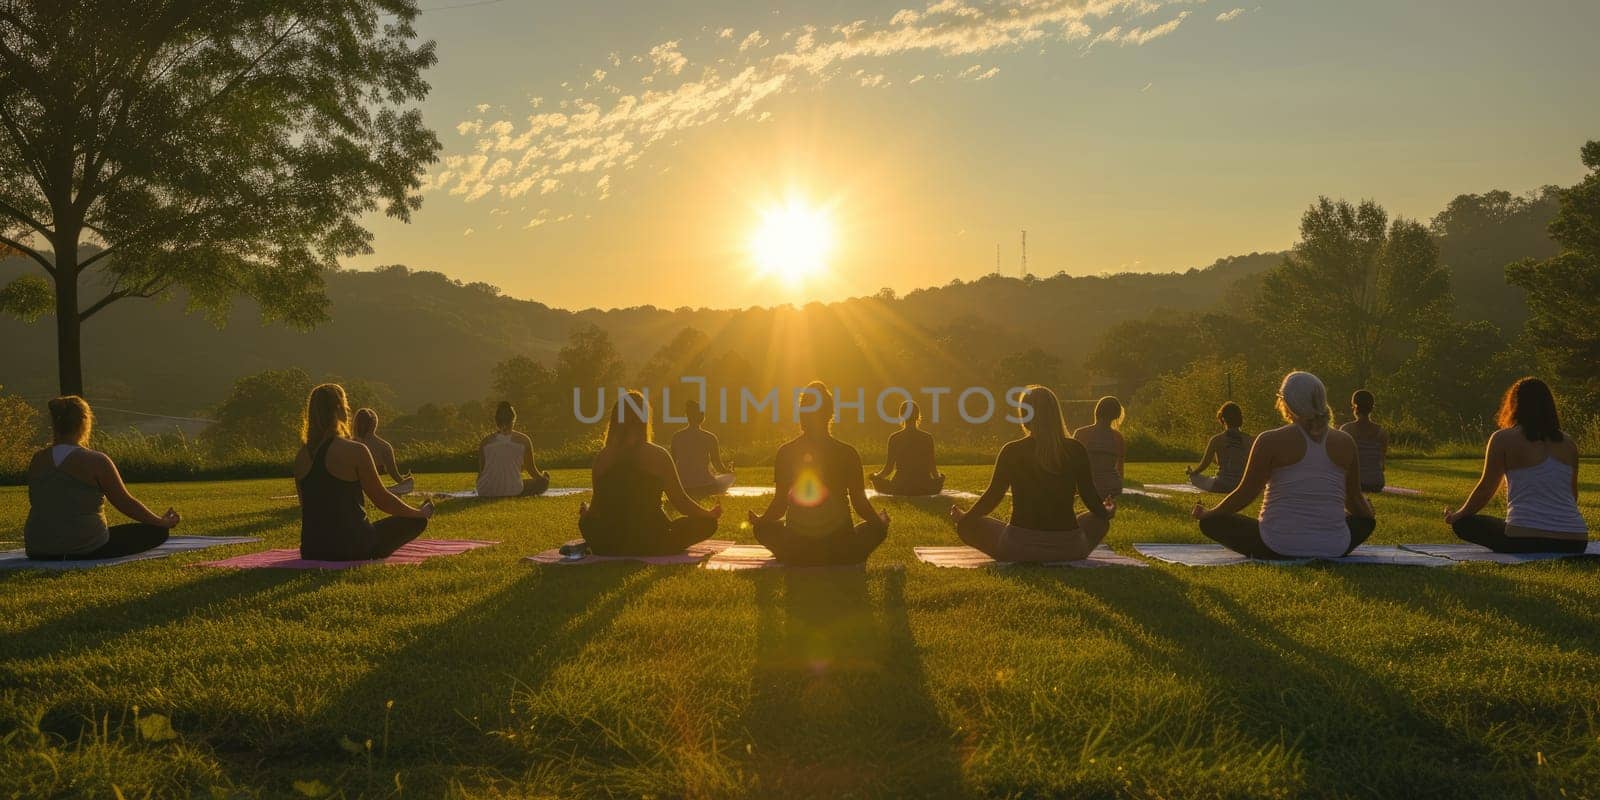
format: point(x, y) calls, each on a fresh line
point(414, 552)
point(694, 555)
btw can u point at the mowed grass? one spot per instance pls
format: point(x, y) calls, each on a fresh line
point(482, 676)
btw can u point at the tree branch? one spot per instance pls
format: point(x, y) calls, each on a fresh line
point(29, 252)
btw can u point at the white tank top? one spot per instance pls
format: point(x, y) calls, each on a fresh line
point(502, 467)
point(1302, 511)
point(59, 452)
point(1540, 497)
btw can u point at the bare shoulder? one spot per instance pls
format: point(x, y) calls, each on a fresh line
point(526, 440)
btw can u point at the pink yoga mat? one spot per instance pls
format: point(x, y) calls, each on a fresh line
point(694, 555)
point(414, 552)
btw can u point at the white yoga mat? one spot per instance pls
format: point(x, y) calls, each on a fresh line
point(1215, 555)
point(963, 557)
point(1180, 488)
point(1402, 491)
point(746, 491)
point(1143, 493)
point(953, 494)
point(18, 559)
point(1462, 551)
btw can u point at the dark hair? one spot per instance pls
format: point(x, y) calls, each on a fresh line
point(505, 414)
point(1529, 405)
point(1108, 410)
point(1230, 415)
point(910, 414)
point(366, 422)
point(629, 425)
point(70, 418)
point(693, 412)
point(1362, 401)
point(823, 414)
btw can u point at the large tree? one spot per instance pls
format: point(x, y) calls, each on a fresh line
point(1355, 292)
point(1564, 291)
point(218, 147)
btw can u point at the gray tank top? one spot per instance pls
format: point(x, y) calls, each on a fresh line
point(65, 515)
point(1369, 457)
point(1232, 457)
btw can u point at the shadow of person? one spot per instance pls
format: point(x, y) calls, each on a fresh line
point(453, 682)
point(1288, 693)
point(840, 703)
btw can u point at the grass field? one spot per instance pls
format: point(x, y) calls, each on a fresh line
point(481, 676)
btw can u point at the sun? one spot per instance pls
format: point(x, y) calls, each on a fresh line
point(793, 242)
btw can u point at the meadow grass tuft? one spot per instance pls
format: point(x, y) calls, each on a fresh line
point(481, 676)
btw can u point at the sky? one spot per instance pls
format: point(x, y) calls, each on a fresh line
point(613, 154)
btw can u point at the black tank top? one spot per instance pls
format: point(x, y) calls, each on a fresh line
point(628, 497)
point(333, 515)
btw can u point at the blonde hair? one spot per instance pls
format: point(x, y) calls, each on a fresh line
point(629, 423)
point(71, 419)
point(1047, 428)
point(1302, 399)
point(327, 414)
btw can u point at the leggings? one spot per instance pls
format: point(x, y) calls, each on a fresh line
point(908, 486)
point(1242, 535)
point(845, 546)
point(1212, 483)
point(1491, 533)
point(122, 540)
point(389, 535)
point(1011, 544)
point(611, 540)
point(534, 486)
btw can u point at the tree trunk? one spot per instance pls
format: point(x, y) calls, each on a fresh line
point(69, 329)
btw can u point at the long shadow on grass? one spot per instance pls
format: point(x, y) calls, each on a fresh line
point(454, 685)
point(841, 705)
point(135, 611)
point(1354, 734)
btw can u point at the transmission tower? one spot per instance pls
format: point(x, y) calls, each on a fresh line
point(1024, 254)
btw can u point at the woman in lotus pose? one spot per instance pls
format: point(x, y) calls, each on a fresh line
point(818, 480)
point(699, 455)
point(1107, 449)
point(1308, 473)
point(68, 485)
point(366, 432)
point(332, 472)
point(504, 455)
point(630, 475)
point(1372, 441)
point(1045, 471)
point(1229, 449)
point(909, 467)
point(1539, 465)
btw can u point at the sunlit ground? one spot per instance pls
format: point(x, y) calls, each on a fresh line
point(902, 680)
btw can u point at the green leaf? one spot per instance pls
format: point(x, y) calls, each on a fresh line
point(27, 298)
point(156, 728)
point(312, 788)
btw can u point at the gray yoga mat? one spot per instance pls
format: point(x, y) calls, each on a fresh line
point(1215, 555)
point(18, 559)
point(1462, 551)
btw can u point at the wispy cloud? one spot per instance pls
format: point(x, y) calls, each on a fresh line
point(611, 117)
point(1230, 15)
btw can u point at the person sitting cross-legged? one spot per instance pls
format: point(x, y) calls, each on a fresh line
point(1310, 483)
point(68, 485)
point(1045, 471)
point(909, 467)
point(817, 481)
point(1539, 466)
